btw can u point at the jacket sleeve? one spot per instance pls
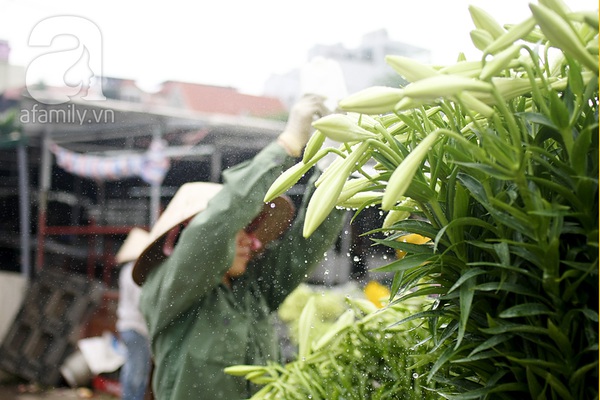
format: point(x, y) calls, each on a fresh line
point(294, 257)
point(206, 247)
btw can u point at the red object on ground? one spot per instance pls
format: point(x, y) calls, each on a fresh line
point(106, 385)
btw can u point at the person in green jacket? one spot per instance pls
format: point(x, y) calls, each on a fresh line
point(209, 299)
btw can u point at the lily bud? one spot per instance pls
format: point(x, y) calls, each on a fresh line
point(561, 35)
point(330, 170)
point(325, 197)
point(500, 61)
point(341, 128)
point(259, 378)
point(476, 105)
point(373, 100)
point(591, 18)
point(344, 321)
point(408, 103)
point(364, 121)
point(484, 21)
point(286, 180)
point(242, 370)
point(313, 146)
point(468, 69)
point(364, 305)
point(516, 32)
point(394, 216)
point(558, 6)
point(508, 88)
point(305, 322)
point(359, 199)
point(353, 186)
point(404, 173)
point(409, 68)
point(481, 39)
point(443, 86)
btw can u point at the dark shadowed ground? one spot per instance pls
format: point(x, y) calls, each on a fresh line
point(14, 391)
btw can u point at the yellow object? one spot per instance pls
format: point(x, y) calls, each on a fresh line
point(376, 293)
point(411, 238)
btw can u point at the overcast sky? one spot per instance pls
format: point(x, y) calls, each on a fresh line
point(239, 43)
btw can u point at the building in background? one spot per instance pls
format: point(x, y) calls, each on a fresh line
point(57, 214)
point(72, 219)
point(195, 97)
point(78, 173)
point(363, 66)
point(12, 77)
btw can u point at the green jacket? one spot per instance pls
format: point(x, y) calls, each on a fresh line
point(198, 325)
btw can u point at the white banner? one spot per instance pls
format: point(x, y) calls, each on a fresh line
point(151, 166)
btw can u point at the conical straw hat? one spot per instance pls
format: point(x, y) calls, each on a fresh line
point(192, 198)
point(132, 247)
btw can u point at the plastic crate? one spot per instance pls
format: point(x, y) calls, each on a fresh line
point(42, 334)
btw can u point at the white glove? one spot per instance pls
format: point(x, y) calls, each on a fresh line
point(299, 124)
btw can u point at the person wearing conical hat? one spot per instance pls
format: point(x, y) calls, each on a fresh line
point(133, 332)
point(221, 261)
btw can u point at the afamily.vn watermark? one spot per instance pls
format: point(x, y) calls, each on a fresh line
point(68, 63)
point(67, 114)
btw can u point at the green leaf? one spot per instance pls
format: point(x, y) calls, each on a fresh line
point(423, 228)
point(587, 190)
point(514, 288)
point(306, 327)
point(515, 328)
point(474, 187)
point(470, 273)
point(396, 284)
point(420, 191)
point(525, 310)
point(536, 362)
point(561, 390)
point(565, 191)
point(561, 339)
point(575, 79)
point(558, 111)
point(425, 291)
point(535, 389)
point(528, 252)
point(484, 355)
point(413, 279)
point(503, 252)
point(383, 160)
point(418, 315)
point(492, 342)
point(483, 392)
point(409, 120)
point(500, 151)
point(466, 300)
point(488, 169)
point(410, 261)
point(537, 118)
point(445, 357)
point(513, 218)
point(580, 374)
point(589, 314)
point(457, 223)
point(580, 152)
point(409, 248)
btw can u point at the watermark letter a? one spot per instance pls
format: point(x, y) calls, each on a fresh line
point(72, 55)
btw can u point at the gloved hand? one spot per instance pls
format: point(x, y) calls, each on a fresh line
point(299, 124)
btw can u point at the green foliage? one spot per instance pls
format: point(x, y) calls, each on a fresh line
point(10, 130)
point(329, 305)
point(500, 157)
point(361, 356)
